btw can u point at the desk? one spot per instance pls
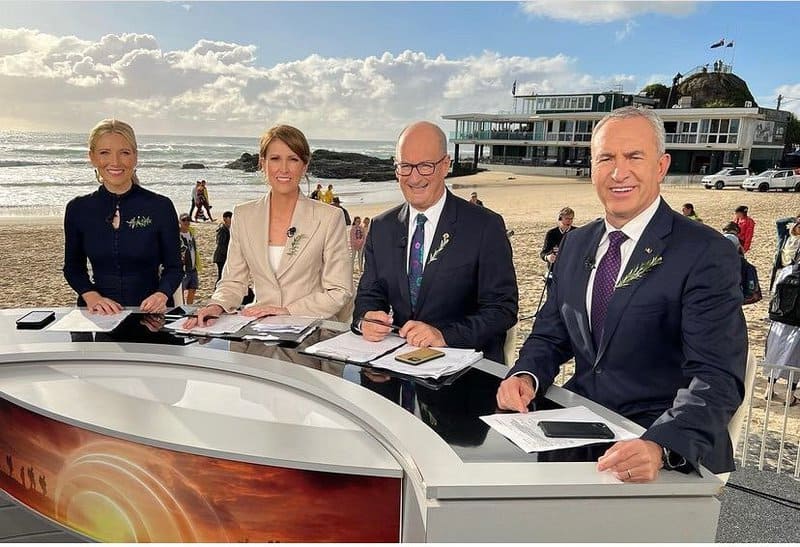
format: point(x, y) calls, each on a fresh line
point(234, 441)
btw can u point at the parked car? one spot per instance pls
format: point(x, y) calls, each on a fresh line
point(729, 176)
point(773, 179)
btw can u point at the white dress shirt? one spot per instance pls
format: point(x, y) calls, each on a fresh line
point(432, 215)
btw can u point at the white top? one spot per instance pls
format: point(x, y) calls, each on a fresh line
point(633, 229)
point(274, 253)
point(432, 215)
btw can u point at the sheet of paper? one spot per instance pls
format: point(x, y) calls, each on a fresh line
point(353, 347)
point(83, 321)
point(454, 359)
point(524, 431)
point(225, 324)
point(293, 324)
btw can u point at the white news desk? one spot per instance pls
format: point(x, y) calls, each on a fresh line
point(234, 441)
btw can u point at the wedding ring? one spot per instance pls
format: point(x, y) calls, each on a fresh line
point(629, 475)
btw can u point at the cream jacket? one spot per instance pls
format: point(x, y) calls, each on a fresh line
point(315, 274)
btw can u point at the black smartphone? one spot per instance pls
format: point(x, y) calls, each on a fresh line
point(576, 430)
point(36, 319)
point(176, 313)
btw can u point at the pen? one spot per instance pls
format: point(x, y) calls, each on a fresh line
point(206, 317)
point(394, 328)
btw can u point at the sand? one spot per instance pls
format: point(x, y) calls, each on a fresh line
point(529, 205)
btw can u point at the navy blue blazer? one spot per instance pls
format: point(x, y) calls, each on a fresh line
point(674, 347)
point(469, 292)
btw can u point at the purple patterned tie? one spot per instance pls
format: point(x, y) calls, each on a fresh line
point(604, 280)
point(416, 255)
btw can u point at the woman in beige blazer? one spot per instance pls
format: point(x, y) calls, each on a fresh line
point(293, 248)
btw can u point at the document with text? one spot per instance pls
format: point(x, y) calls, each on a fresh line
point(226, 324)
point(353, 348)
point(454, 360)
point(524, 431)
point(83, 321)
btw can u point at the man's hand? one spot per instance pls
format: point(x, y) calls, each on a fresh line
point(201, 321)
point(422, 335)
point(632, 461)
point(515, 393)
point(263, 310)
point(97, 303)
point(375, 332)
point(551, 258)
point(155, 303)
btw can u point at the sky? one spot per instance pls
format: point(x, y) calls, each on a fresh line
point(361, 70)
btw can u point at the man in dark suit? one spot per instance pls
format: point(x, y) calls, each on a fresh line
point(648, 303)
point(436, 266)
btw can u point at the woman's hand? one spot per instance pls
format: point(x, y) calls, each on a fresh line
point(155, 303)
point(263, 310)
point(97, 303)
point(213, 310)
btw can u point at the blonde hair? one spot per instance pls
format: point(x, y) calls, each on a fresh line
point(112, 125)
point(291, 136)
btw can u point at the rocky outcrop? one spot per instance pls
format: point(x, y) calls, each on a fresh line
point(327, 164)
point(715, 89)
point(193, 165)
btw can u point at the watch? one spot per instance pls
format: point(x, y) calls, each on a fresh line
point(671, 460)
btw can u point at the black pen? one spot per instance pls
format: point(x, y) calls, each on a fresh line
point(394, 328)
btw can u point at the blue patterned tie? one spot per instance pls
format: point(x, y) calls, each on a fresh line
point(416, 256)
point(604, 280)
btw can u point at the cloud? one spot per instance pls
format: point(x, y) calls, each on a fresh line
point(791, 98)
point(603, 11)
point(625, 31)
point(218, 88)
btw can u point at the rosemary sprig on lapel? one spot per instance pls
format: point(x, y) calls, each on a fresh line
point(295, 244)
point(638, 272)
point(139, 222)
point(442, 244)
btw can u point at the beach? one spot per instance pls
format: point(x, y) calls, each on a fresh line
point(32, 247)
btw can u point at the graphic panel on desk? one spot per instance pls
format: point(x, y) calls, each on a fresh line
point(116, 490)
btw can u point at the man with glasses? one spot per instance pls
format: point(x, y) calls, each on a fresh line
point(436, 268)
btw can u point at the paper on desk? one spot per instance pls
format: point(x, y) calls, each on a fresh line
point(454, 359)
point(225, 324)
point(83, 321)
point(354, 348)
point(290, 324)
point(524, 431)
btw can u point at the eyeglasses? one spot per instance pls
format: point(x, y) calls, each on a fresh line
point(424, 168)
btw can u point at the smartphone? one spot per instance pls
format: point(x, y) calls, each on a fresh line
point(576, 430)
point(36, 319)
point(419, 356)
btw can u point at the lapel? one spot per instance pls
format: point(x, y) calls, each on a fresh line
point(400, 254)
point(259, 239)
point(650, 245)
point(447, 224)
point(305, 223)
point(581, 281)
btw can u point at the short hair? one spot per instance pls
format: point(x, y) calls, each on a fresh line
point(689, 206)
point(741, 209)
point(227, 214)
point(438, 131)
point(647, 114)
point(731, 228)
point(291, 136)
point(566, 212)
point(112, 125)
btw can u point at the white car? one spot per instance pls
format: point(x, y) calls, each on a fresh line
point(773, 179)
point(730, 176)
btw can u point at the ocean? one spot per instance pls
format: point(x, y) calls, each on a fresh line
point(41, 172)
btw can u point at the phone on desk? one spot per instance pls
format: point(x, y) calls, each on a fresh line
point(576, 430)
point(419, 356)
point(36, 319)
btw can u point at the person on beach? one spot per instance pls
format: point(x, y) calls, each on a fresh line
point(128, 234)
point(436, 266)
point(473, 199)
point(317, 193)
point(747, 226)
point(194, 198)
point(338, 203)
point(190, 258)
point(553, 237)
point(357, 242)
point(293, 248)
point(648, 304)
point(688, 211)
point(223, 238)
point(327, 195)
point(202, 202)
point(365, 222)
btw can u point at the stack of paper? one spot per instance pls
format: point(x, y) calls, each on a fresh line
point(225, 324)
point(353, 348)
point(292, 328)
point(454, 360)
point(83, 321)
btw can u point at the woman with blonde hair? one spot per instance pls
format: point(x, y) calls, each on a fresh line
point(128, 234)
point(293, 248)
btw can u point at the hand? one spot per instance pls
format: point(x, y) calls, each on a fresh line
point(200, 320)
point(377, 377)
point(551, 258)
point(263, 310)
point(153, 323)
point(632, 461)
point(516, 393)
point(374, 332)
point(422, 335)
point(155, 303)
point(97, 303)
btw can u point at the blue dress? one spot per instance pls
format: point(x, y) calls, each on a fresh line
point(126, 262)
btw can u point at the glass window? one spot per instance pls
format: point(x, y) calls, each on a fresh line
point(704, 126)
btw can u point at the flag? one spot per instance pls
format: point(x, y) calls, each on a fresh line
point(718, 44)
point(514, 88)
point(729, 44)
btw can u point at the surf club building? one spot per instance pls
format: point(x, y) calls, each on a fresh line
point(552, 134)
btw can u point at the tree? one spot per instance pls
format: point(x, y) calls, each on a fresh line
point(792, 132)
point(657, 91)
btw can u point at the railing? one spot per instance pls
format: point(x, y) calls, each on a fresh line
point(563, 137)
